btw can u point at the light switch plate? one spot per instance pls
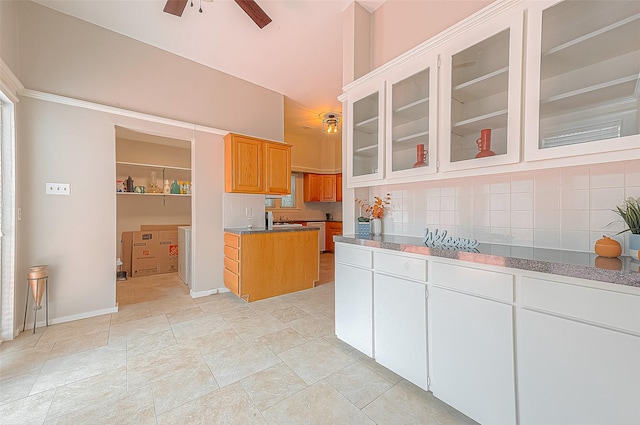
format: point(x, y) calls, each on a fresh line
point(58, 189)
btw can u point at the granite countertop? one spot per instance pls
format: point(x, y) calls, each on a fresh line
point(246, 230)
point(623, 270)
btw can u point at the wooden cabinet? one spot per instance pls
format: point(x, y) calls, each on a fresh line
point(339, 187)
point(256, 166)
point(265, 264)
point(334, 228)
point(319, 188)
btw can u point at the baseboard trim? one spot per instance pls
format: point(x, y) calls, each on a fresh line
point(64, 319)
point(208, 292)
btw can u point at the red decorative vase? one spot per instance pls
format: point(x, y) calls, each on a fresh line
point(484, 144)
point(421, 156)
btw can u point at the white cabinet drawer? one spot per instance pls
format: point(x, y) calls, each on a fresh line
point(401, 266)
point(485, 283)
point(349, 254)
point(607, 308)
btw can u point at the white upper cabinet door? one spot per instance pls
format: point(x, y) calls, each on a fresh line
point(365, 130)
point(582, 89)
point(411, 119)
point(481, 82)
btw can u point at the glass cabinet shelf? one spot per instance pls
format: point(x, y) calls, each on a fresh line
point(587, 68)
point(364, 139)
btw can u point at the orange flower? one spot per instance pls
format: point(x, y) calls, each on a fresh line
point(375, 210)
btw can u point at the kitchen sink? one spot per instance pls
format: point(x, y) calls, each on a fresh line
point(285, 225)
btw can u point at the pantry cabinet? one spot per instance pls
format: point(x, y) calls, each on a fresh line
point(257, 166)
point(582, 79)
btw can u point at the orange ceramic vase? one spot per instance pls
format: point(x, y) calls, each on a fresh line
point(607, 247)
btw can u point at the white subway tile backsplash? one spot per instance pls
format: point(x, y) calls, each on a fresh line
point(564, 208)
point(606, 198)
point(574, 199)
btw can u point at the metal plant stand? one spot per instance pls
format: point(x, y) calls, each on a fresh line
point(37, 279)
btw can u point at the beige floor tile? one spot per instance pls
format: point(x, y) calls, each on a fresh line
point(377, 367)
point(70, 330)
point(22, 342)
point(26, 411)
point(268, 305)
point(319, 404)
point(17, 387)
point(79, 344)
point(133, 407)
point(192, 383)
point(196, 328)
point(146, 343)
point(221, 302)
point(407, 404)
point(272, 385)
point(237, 314)
point(289, 314)
point(230, 405)
point(121, 332)
point(216, 341)
point(255, 327)
point(75, 367)
point(184, 315)
point(160, 364)
point(282, 340)
point(172, 305)
point(315, 360)
point(130, 312)
point(80, 394)
point(235, 363)
point(359, 384)
point(15, 363)
point(314, 326)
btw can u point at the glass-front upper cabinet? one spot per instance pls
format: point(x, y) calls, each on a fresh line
point(481, 76)
point(582, 78)
point(365, 134)
point(411, 119)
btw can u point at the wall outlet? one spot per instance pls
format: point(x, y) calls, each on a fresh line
point(58, 189)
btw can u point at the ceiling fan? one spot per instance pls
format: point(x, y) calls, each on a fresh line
point(250, 7)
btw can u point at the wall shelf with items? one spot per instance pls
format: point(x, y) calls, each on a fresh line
point(584, 94)
point(481, 83)
point(142, 175)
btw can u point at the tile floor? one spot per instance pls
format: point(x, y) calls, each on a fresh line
point(166, 358)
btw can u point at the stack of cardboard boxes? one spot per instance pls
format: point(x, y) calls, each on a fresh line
point(152, 250)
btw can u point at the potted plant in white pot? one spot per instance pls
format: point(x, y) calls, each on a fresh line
point(630, 213)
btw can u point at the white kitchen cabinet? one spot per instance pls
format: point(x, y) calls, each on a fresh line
point(583, 72)
point(354, 297)
point(578, 351)
point(365, 123)
point(411, 119)
point(400, 330)
point(472, 364)
point(481, 77)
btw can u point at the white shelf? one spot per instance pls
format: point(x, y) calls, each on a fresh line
point(153, 194)
point(497, 119)
point(411, 137)
point(367, 150)
point(137, 164)
point(369, 126)
point(486, 85)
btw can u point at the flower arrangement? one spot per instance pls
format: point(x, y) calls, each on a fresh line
point(630, 213)
point(375, 209)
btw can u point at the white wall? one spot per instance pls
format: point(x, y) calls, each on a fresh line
point(565, 208)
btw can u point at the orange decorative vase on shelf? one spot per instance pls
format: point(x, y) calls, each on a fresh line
point(484, 144)
point(421, 156)
point(607, 247)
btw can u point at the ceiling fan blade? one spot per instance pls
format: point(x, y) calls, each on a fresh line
point(175, 7)
point(254, 11)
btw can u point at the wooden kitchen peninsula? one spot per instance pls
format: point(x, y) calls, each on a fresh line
point(261, 263)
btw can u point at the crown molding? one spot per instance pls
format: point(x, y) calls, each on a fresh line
point(10, 85)
point(69, 101)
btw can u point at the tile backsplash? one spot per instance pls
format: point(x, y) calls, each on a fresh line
point(563, 208)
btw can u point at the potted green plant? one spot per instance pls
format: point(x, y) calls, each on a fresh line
point(630, 213)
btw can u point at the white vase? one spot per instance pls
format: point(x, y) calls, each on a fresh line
point(376, 226)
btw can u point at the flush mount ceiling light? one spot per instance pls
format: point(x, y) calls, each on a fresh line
point(330, 121)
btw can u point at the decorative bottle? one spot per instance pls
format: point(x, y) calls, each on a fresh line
point(421, 156)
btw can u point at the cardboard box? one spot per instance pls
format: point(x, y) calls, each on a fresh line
point(127, 247)
point(168, 251)
point(145, 254)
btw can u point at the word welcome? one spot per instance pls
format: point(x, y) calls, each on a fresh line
point(437, 239)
